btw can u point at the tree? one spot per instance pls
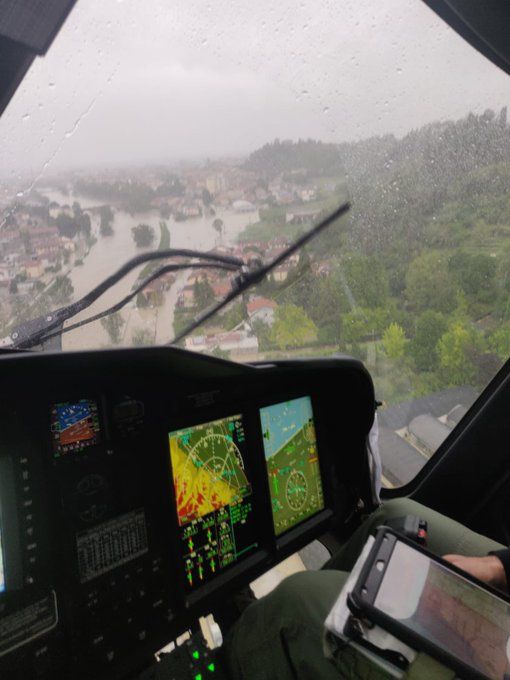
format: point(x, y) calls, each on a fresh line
point(475, 274)
point(61, 290)
point(143, 235)
point(218, 226)
point(106, 216)
point(292, 327)
point(207, 197)
point(366, 280)
point(141, 301)
point(499, 342)
point(394, 341)
point(429, 284)
point(141, 337)
point(67, 225)
point(203, 294)
point(113, 324)
point(84, 224)
point(457, 350)
point(430, 327)
point(356, 326)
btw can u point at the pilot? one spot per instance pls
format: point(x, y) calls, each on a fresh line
point(280, 636)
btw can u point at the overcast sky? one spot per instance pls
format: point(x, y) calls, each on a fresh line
point(136, 80)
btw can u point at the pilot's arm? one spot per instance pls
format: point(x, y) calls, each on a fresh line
point(493, 568)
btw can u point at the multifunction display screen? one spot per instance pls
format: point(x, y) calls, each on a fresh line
point(213, 496)
point(292, 460)
point(74, 426)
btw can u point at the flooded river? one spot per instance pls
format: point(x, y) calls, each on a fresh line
point(110, 252)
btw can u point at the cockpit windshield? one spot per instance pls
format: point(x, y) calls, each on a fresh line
point(231, 130)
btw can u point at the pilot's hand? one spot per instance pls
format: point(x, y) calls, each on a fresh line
point(488, 569)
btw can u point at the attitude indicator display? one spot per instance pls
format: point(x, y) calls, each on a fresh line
point(75, 426)
point(292, 460)
point(213, 496)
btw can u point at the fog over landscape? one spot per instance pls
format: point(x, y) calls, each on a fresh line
point(126, 82)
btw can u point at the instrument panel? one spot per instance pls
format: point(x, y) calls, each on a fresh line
point(139, 489)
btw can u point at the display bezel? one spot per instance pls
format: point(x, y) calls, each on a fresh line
point(100, 437)
point(282, 534)
point(260, 553)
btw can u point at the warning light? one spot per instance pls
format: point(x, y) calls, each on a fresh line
point(196, 654)
point(211, 667)
point(198, 676)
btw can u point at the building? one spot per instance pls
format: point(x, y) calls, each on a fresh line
point(281, 272)
point(308, 194)
point(454, 416)
point(261, 309)
point(221, 288)
point(243, 206)
point(235, 342)
point(7, 273)
point(153, 293)
point(411, 431)
point(302, 216)
point(33, 268)
point(186, 297)
point(427, 433)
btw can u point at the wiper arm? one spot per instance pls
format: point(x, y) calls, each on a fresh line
point(250, 277)
point(33, 332)
point(122, 303)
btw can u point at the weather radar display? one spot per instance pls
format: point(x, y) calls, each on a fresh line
point(213, 497)
point(292, 460)
point(74, 426)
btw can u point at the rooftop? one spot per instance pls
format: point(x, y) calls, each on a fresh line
point(429, 431)
point(400, 415)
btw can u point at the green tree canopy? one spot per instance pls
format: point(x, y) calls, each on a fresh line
point(475, 274)
point(394, 341)
point(457, 351)
point(366, 279)
point(141, 336)
point(203, 293)
point(106, 219)
point(218, 226)
point(430, 327)
point(143, 235)
point(292, 327)
point(113, 325)
point(499, 342)
point(61, 290)
point(429, 284)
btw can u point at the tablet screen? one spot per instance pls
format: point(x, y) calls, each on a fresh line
point(447, 609)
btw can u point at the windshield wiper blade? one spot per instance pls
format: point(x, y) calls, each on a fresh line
point(251, 276)
point(32, 332)
point(122, 303)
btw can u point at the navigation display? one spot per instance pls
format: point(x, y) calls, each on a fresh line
point(292, 461)
point(74, 426)
point(213, 496)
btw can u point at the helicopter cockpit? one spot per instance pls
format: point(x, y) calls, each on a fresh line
point(135, 501)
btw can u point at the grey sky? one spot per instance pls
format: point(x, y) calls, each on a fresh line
point(134, 81)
